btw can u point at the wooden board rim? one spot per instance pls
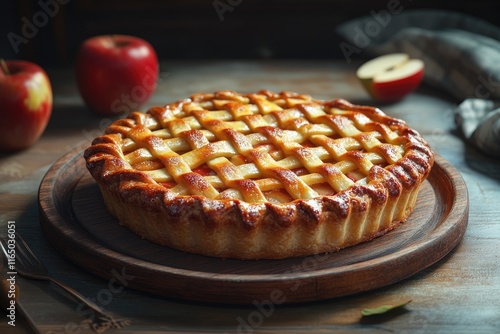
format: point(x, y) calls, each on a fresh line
point(61, 232)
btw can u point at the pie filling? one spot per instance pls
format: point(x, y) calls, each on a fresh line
point(263, 175)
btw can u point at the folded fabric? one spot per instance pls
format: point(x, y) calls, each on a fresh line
point(461, 55)
point(479, 121)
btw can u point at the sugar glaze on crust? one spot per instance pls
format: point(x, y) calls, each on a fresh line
point(259, 176)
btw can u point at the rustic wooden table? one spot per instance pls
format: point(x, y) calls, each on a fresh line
point(459, 294)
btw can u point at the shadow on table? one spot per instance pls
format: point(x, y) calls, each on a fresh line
point(70, 118)
point(482, 163)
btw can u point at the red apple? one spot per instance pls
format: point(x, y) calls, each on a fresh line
point(389, 78)
point(116, 74)
point(25, 104)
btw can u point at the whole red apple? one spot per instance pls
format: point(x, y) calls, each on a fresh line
point(25, 104)
point(116, 73)
point(391, 77)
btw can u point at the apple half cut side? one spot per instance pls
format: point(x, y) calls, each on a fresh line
point(390, 77)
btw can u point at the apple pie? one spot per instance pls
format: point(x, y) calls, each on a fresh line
point(259, 176)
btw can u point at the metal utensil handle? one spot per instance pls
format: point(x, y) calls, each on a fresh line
point(78, 296)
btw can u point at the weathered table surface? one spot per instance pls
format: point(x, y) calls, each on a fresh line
point(459, 294)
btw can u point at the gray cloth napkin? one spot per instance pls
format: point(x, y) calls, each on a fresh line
point(479, 121)
point(461, 54)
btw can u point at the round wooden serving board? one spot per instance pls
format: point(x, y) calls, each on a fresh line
point(75, 221)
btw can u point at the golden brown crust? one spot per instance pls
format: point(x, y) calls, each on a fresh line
point(265, 175)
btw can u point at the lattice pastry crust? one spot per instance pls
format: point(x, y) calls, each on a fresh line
point(259, 176)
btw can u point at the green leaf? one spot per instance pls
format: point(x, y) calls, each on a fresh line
point(382, 309)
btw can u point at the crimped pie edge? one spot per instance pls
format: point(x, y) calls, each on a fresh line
point(231, 228)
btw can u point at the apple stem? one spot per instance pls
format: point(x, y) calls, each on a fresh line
point(117, 42)
point(114, 41)
point(3, 66)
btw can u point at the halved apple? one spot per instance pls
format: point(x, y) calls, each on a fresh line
point(390, 77)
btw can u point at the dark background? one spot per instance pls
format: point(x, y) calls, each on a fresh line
point(193, 29)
